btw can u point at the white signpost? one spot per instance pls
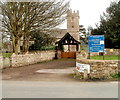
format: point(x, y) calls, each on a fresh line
point(81, 67)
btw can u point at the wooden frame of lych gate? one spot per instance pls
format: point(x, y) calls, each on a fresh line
point(67, 39)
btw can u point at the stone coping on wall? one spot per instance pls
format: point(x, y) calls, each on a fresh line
point(97, 61)
point(100, 62)
point(91, 60)
point(33, 52)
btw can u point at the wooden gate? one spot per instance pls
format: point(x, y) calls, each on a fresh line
point(68, 54)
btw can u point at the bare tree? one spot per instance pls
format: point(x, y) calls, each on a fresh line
point(20, 18)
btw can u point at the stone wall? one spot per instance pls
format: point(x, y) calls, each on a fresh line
point(1, 62)
point(84, 54)
point(101, 68)
point(108, 52)
point(6, 62)
point(27, 59)
point(58, 54)
point(112, 51)
point(81, 55)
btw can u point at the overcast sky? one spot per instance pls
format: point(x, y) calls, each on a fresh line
point(89, 11)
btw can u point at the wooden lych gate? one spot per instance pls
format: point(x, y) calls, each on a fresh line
point(68, 40)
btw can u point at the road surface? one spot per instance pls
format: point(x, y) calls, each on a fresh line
point(40, 89)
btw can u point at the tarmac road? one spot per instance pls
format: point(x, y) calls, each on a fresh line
point(43, 89)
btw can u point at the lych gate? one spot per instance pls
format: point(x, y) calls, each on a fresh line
point(70, 43)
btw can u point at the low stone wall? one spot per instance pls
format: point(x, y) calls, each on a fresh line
point(84, 54)
point(27, 59)
point(6, 62)
point(81, 55)
point(1, 62)
point(101, 68)
point(112, 51)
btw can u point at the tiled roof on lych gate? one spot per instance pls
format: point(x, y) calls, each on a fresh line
point(70, 40)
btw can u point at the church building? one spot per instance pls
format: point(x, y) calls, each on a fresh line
point(72, 29)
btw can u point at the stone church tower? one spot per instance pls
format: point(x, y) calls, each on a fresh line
point(73, 29)
point(73, 24)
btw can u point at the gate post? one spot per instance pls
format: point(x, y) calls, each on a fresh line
point(85, 74)
point(58, 54)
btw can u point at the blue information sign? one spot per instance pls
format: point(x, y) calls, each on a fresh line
point(96, 43)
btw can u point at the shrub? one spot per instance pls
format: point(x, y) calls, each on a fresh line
point(48, 48)
point(116, 76)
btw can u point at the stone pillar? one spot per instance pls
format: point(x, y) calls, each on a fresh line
point(58, 54)
point(85, 74)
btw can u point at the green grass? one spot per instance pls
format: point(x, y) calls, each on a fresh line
point(75, 76)
point(7, 54)
point(108, 57)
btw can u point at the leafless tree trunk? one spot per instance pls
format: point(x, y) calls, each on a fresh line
point(25, 43)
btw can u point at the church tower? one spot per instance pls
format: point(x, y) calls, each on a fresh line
point(73, 24)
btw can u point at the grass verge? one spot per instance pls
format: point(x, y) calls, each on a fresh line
point(107, 57)
point(6, 54)
point(113, 77)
